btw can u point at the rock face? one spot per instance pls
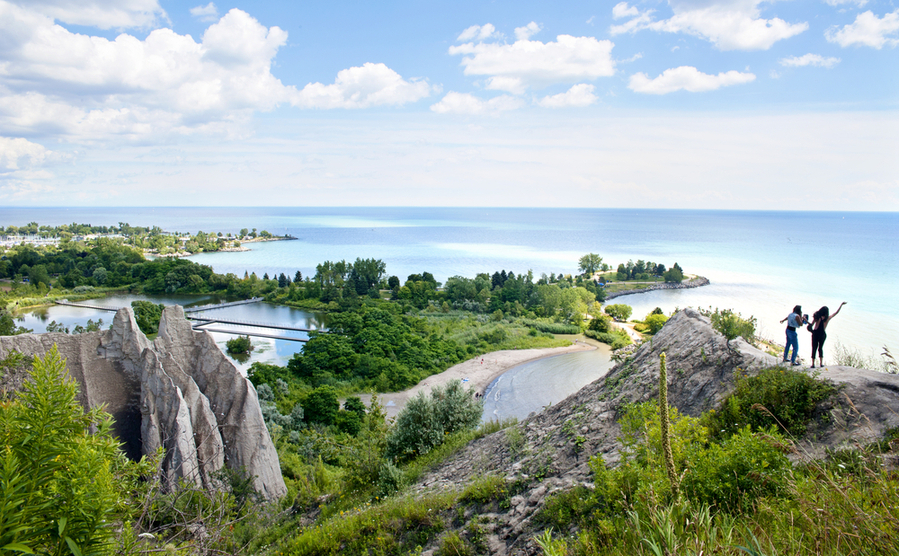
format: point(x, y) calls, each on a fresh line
point(179, 393)
point(550, 450)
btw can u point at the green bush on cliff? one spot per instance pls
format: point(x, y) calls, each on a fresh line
point(61, 484)
point(774, 397)
point(426, 419)
point(731, 324)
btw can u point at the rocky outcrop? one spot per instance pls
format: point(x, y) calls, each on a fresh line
point(550, 450)
point(179, 393)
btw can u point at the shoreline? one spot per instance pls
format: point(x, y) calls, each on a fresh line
point(696, 282)
point(478, 373)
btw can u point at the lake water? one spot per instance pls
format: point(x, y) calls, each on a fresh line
point(759, 263)
point(531, 386)
point(267, 350)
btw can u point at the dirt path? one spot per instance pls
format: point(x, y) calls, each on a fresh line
point(477, 373)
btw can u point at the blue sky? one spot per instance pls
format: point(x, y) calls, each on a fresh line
point(719, 104)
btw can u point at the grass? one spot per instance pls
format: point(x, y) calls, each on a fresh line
point(32, 301)
point(396, 526)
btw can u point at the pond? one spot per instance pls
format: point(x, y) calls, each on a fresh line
point(532, 386)
point(265, 350)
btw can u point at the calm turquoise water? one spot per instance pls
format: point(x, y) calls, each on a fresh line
point(531, 386)
point(759, 263)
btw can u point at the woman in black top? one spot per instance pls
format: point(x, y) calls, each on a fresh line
point(821, 318)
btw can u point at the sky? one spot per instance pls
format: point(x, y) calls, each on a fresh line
point(710, 104)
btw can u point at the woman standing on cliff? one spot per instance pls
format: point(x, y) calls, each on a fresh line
point(820, 321)
point(794, 321)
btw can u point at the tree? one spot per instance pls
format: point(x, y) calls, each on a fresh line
point(618, 311)
point(321, 406)
point(39, 275)
point(655, 322)
point(298, 277)
point(147, 315)
point(8, 326)
point(239, 345)
point(674, 274)
point(283, 280)
point(600, 323)
point(590, 263)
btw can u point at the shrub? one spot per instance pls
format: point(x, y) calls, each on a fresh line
point(655, 322)
point(147, 315)
point(615, 339)
point(348, 422)
point(618, 311)
point(790, 397)
point(425, 420)
point(238, 345)
point(553, 327)
point(734, 474)
point(731, 324)
point(321, 406)
point(600, 323)
point(58, 481)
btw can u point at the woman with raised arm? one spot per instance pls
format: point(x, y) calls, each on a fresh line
point(821, 318)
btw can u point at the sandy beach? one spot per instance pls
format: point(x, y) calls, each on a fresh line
point(477, 373)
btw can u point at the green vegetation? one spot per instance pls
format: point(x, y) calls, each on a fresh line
point(147, 314)
point(615, 339)
point(346, 467)
point(8, 326)
point(591, 263)
point(731, 324)
point(774, 397)
point(737, 491)
point(618, 311)
point(62, 485)
point(425, 420)
point(237, 346)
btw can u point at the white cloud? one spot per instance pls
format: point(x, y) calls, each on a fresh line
point(686, 78)
point(638, 21)
point(578, 96)
point(809, 60)
point(867, 30)
point(208, 12)
point(478, 33)
point(362, 87)
point(21, 154)
point(102, 14)
point(728, 24)
point(525, 33)
point(65, 84)
point(73, 84)
point(622, 9)
point(523, 64)
point(464, 103)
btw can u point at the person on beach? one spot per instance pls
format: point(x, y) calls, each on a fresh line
point(794, 321)
point(821, 318)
